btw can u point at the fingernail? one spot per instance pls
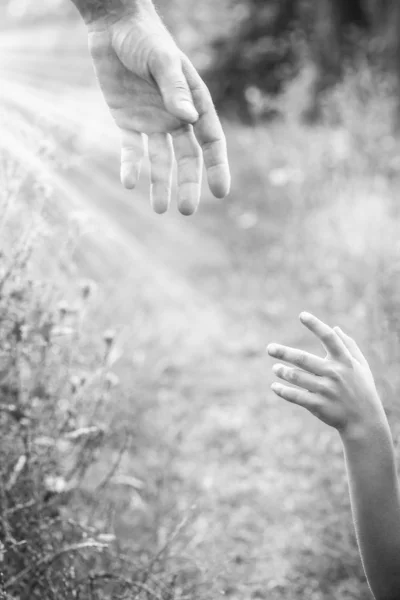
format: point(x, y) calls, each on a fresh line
point(277, 368)
point(272, 348)
point(305, 316)
point(275, 386)
point(188, 110)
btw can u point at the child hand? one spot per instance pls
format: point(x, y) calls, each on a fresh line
point(338, 389)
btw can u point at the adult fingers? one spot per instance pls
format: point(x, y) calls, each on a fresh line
point(189, 163)
point(166, 68)
point(329, 338)
point(299, 358)
point(351, 345)
point(161, 160)
point(300, 378)
point(209, 133)
point(305, 399)
point(132, 152)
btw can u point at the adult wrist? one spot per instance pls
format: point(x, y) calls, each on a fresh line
point(109, 11)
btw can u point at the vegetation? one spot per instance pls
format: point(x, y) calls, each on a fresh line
point(143, 454)
point(62, 480)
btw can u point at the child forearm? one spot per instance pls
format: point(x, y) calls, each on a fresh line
point(375, 501)
point(340, 390)
point(92, 10)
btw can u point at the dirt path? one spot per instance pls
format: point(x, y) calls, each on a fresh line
point(248, 461)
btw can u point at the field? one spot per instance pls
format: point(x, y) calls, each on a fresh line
point(240, 492)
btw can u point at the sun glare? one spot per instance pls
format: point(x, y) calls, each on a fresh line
point(47, 85)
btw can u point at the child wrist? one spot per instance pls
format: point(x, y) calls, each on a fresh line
point(362, 432)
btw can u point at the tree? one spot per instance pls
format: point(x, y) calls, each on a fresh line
point(260, 54)
point(343, 28)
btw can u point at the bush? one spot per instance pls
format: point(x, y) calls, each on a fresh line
point(63, 445)
point(50, 430)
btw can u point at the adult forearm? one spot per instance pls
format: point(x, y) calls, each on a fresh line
point(93, 10)
point(375, 500)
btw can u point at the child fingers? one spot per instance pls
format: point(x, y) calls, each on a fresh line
point(329, 338)
point(132, 152)
point(351, 345)
point(297, 396)
point(309, 382)
point(161, 162)
point(299, 358)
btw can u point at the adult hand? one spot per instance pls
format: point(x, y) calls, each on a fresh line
point(153, 90)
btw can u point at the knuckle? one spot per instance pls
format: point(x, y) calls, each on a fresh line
point(302, 360)
point(189, 157)
point(296, 396)
point(281, 371)
point(162, 60)
point(293, 376)
point(186, 172)
point(179, 85)
point(336, 373)
point(159, 156)
point(327, 336)
point(161, 54)
point(279, 352)
point(327, 388)
point(217, 141)
point(214, 153)
point(159, 175)
point(331, 371)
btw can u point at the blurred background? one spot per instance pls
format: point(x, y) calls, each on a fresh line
point(143, 453)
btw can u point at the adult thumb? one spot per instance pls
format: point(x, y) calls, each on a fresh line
point(166, 68)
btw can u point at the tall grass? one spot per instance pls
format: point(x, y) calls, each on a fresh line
point(170, 472)
point(69, 467)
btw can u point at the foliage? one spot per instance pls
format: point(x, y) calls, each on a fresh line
point(258, 55)
point(249, 50)
point(311, 223)
point(62, 448)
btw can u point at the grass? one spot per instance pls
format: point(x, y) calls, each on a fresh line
point(66, 468)
point(310, 224)
point(204, 484)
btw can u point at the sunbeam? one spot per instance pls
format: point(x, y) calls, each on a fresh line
point(47, 80)
point(114, 238)
point(63, 109)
